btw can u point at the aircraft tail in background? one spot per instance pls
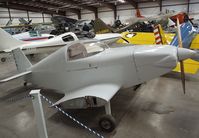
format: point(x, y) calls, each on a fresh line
point(100, 27)
point(188, 33)
point(8, 43)
point(159, 35)
point(21, 61)
point(138, 14)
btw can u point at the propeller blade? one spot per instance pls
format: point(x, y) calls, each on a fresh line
point(182, 75)
point(181, 62)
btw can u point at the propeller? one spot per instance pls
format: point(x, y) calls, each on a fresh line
point(181, 62)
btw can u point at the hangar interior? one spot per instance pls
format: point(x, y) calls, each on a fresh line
point(108, 11)
point(103, 68)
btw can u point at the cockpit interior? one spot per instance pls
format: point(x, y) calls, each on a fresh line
point(83, 50)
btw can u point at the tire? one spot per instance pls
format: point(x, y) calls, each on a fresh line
point(107, 123)
point(3, 59)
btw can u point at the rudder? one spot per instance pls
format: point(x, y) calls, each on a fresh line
point(159, 35)
point(21, 61)
point(100, 27)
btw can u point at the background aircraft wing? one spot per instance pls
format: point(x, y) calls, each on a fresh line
point(103, 91)
point(195, 43)
point(190, 66)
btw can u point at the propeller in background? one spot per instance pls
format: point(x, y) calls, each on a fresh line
point(181, 62)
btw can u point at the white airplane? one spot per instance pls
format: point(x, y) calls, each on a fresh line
point(32, 36)
point(90, 73)
point(8, 43)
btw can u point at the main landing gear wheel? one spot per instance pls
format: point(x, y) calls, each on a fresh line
point(107, 123)
point(3, 59)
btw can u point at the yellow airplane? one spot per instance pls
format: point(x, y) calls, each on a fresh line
point(139, 38)
point(158, 37)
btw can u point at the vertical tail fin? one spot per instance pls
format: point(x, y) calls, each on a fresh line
point(159, 35)
point(138, 14)
point(188, 33)
point(100, 27)
point(21, 60)
point(7, 42)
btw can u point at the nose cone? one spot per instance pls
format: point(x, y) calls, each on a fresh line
point(154, 61)
point(156, 55)
point(184, 53)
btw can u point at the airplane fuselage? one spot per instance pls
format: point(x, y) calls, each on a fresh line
point(124, 66)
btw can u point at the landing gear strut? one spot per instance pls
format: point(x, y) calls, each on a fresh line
point(107, 122)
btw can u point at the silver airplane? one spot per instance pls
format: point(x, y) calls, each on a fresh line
point(91, 73)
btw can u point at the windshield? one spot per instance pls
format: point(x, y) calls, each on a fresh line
point(82, 50)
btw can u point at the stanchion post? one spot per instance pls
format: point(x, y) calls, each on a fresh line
point(38, 109)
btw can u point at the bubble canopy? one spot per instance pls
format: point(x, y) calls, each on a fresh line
point(82, 50)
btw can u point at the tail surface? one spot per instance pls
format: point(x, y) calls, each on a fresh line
point(7, 42)
point(188, 33)
point(138, 14)
point(21, 61)
point(100, 27)
point(159, 35)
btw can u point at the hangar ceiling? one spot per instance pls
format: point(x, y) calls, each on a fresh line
point(62, 6)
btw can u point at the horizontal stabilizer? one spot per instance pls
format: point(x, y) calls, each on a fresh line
point(21, 61)
point(100, 27)
point(15, 76)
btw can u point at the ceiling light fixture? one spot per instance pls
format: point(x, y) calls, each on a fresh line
point(122, 1)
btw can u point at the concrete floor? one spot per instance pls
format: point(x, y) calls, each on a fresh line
point(158, 109)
